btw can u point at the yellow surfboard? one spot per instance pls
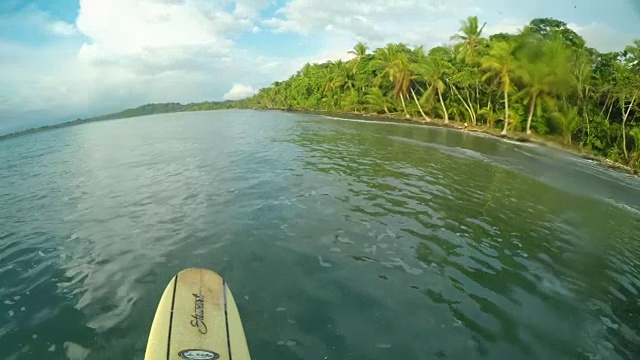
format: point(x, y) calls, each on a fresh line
point(197, 319)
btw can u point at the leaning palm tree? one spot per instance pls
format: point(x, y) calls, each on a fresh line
point(500, 64)
point(401, 77)
point(434, 70)
point(394, 65)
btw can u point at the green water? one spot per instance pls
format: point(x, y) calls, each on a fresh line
point(340, 239)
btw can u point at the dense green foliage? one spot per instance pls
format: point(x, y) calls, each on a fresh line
point(163, 108)
point(543, 80)
point(147, 109)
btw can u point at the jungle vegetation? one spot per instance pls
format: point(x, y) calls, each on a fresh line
point(542, 81)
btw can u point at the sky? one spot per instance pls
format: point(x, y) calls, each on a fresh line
point(63, 59)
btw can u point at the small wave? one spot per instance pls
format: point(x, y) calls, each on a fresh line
point(451, 150)
point(623, 206)
point(376, 121)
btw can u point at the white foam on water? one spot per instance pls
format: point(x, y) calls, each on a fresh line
point(397, 262)
point(75, 351)
point(623, 206)
point(608, 323)
point(52, 348)
point(383, 346)
point(371, 249)
point(323, 263)
point(344, 240)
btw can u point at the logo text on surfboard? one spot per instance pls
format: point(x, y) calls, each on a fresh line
point(198, 317)
point(197, 354)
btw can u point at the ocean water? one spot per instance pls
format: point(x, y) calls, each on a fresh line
point(340, 239)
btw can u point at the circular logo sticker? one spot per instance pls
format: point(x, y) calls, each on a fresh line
point(197, 354)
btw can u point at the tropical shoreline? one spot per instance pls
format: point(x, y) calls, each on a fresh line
point(542, 85)
point(485, 130)
point(389, 118)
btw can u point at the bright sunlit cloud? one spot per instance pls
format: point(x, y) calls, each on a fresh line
point(239, 91)
point(62, 60)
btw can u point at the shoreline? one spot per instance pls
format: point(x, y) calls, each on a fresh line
point(396, 117)
point(495, 133)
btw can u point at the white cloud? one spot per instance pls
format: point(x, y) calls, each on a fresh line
point(250, 8)
point(122, 53)
point(156, 36)
point(506, 25)
point(423, 22)
point(603, 37)
point(62, 28)
point(239, 91)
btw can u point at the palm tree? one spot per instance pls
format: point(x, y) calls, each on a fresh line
point(433, 70)
point(471, 42)
point(635, 157)
point(359, 50)
point(375, 99)
point(633, 55)
point(536, 79)
point(501, 64)
point(470, 36)
point(568, 119)
point(545, 72)
point(624, 96)
point(401, 76)
point(418, 57)
point(394, 63)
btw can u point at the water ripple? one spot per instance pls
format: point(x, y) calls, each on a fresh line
point(350, 239)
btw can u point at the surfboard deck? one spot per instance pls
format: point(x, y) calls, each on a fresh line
point(197, 319)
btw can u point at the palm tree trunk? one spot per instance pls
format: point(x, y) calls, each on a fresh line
point(609, 113)
point(444, 108)
point(624, 120)
point(469, 109)
point(426, 118)
point(404, 106)
point(474, 118)
point(531, 108)
point(586, 116)
point(477, 95)
point(506, 109)
point(606, 102)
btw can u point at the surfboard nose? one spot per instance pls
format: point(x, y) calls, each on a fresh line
point(197, 318)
